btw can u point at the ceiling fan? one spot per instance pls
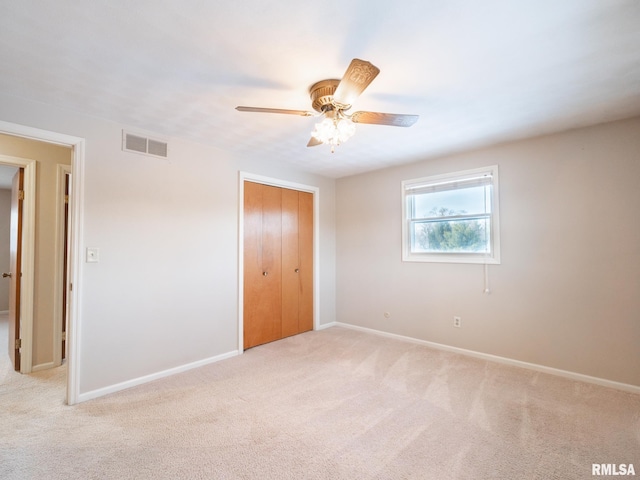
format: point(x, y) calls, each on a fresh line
point(333, 98)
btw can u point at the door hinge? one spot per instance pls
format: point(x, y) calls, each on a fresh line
point(18, 343)
point(20, 194)
point(64, 336)
point(71, 287)
point(66, 199)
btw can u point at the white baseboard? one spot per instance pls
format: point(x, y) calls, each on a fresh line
point(42, 366)
point(83, 397)
point(326, 325)
point(495, 358)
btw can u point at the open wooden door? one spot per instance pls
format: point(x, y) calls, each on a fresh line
point(15, 252)
point(65, 268)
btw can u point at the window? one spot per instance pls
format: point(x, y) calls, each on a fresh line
point(452, 218)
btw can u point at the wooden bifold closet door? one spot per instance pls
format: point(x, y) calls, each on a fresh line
point(278, 263)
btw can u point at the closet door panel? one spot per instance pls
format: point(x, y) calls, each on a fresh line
point(290, 263)
point(262, 264)
point(305, 242)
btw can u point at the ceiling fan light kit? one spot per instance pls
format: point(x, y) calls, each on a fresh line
point(333, 98)
point(334, 131)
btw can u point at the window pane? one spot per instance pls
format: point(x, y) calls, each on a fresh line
point(452, 202)
point(460, 236)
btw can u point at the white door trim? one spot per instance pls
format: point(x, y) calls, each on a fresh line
point(76, 214)
point(276, 182)
point(27, 280)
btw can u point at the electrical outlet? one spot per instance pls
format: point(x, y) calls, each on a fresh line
point(457, 322)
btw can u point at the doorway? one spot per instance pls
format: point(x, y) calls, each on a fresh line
point(76, 145)
point(288, 311)
point(278, 263)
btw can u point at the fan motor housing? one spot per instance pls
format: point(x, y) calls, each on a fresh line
point(322, 94)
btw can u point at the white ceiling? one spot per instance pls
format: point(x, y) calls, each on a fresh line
point(477, 73)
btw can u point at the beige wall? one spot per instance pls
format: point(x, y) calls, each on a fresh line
point(567, 294)
point(5, 228)
point(164, 295)
point(48, 157)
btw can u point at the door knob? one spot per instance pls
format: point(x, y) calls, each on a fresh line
point(264, 274)
point(297, 270)
point(5, 275)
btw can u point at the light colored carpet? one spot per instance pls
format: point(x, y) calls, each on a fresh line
point(333, 404)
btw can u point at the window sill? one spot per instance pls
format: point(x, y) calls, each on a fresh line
point(450, 258)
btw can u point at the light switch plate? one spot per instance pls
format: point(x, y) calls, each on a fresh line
point(93, 255)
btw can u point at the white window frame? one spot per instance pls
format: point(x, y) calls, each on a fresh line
point(408, 186)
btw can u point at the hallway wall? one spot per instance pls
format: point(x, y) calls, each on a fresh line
point(5, 218)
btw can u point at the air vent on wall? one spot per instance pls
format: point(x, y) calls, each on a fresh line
point(144, 145)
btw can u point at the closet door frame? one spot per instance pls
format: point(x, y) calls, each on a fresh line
point(275, 182)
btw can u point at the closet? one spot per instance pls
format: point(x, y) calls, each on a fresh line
point(278, 263)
